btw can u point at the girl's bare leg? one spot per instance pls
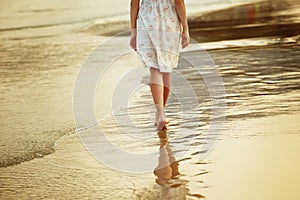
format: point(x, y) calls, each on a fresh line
point(167, 86)
point(157, 90)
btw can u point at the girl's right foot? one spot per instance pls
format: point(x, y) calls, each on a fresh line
point(156, 119)
point(161, 123)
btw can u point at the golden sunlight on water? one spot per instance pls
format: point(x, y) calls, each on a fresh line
point(256, 50)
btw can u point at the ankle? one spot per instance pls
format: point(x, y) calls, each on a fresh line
point(159, 108)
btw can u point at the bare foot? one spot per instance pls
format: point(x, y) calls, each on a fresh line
point(156, 119)
point(161, 123)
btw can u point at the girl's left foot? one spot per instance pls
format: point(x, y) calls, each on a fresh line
point(161, 123)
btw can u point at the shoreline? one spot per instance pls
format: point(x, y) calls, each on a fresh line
point(248, 154)
point(262, 83)
point(71, 69)
point(260, 18)
point(252, 20)
point(71, 172)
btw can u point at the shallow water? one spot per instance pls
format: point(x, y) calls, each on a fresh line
point(262, 82)
point(37, 81)
point(36, 113)
point(253, 20)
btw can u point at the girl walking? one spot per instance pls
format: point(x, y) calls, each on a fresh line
point(158, 27)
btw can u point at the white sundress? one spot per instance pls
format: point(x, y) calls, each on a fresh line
point(158, 34)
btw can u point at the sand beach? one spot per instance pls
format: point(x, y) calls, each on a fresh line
point(253, 48)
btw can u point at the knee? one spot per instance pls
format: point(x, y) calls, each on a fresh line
point(152, 69)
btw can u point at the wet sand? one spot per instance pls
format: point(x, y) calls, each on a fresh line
point(244, 165)
point(255, 157)
point(256, 167)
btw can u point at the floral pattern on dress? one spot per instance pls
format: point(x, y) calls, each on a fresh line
point(158, 34)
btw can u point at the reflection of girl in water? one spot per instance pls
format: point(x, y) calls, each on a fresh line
point(167, 168)
point(170, 184)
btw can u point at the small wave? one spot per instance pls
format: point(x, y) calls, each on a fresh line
point(109, 27)
point(43, 25)
point(43, 10)
point(259, 23)
point(43, 144)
